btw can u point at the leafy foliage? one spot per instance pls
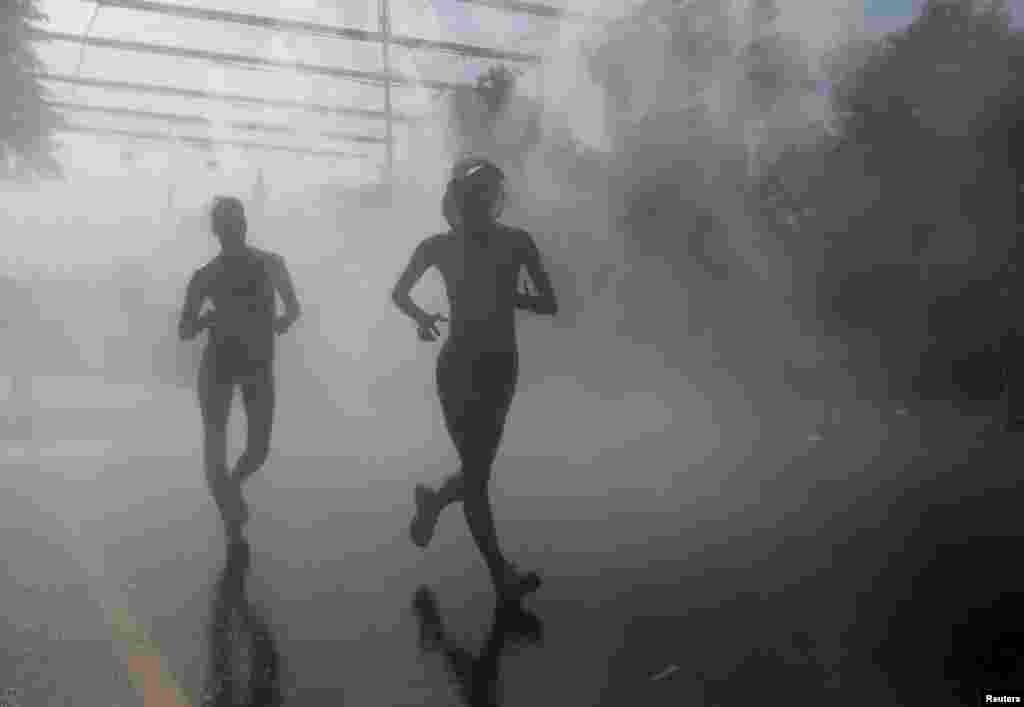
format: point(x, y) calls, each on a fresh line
point(26, 122)
point(481, 115)
point(897, 217)
point(919, 199)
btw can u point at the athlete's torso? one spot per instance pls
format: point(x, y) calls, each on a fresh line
point(480, 281)
point(241, 289)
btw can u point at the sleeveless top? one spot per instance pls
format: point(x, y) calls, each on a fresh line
point(242, 291)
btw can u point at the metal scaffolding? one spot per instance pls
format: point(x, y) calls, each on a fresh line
point(385, 31)
point(359, 35)
point(242, 60)
point(251, 126)
point(527, 8)
point(235, 98)
point(387, 78)
point(206, 142)
point(537, 10)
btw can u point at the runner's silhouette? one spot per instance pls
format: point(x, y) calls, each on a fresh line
point(241, 283)
point(480, 261)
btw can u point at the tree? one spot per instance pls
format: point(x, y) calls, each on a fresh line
point(926, 97)
point(478, 119)
point(922, 177)
point(496, 87)
point(26, 122)
point(773, 63)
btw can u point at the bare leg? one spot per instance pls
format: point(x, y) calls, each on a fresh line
point(430, 503)
point(215, 405)
point(456, 415)
point(450, 491)
point(258, 396)
point(479, 423)
point(258, 399)
point(484, 425)
point(476, 505)
point(509, 582)
point(475, 403)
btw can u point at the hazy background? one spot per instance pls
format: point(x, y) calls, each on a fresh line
point(644, 153)
point(771, 227)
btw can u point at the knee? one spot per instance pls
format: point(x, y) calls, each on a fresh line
point(257, 452)
point(215, 434)
point(475, 480)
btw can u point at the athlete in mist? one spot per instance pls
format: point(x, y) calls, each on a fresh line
point(480, 261)
point(241, 283)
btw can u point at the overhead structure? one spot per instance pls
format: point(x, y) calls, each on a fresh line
point(385, 30)
point(386, 78)
point(359, 35)
point(201, 120)
point(537, 10)
point(242, 60)
point(526, 8)
point(206, 142)
point(207, 95)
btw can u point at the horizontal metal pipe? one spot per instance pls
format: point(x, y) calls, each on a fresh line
point(201, 120)
point(202, 141)
point(238, 59)
point(359, 35)
point(235, 98)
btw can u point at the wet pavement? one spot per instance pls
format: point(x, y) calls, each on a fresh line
point(795, 565)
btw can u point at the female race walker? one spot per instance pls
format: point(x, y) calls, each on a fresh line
point(241, 283)
point(480, 261)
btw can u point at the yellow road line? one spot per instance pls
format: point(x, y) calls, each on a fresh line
point(146, 669)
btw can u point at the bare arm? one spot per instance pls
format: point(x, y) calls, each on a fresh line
point(190, 323)
point(286, 289)
point(544, 301)
point(418, 264)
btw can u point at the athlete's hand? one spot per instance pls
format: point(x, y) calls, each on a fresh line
point(428, 327)
point(205, 322)
point(282, 325)
point(526, 301)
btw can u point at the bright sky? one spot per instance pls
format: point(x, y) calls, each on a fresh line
point(891, 15)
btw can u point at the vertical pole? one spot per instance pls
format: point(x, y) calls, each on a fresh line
point(385, 28)
point(541, 96)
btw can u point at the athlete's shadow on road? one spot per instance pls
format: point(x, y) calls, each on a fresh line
point(245, 666)
point(475, 676)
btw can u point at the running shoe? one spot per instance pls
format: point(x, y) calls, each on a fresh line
point(421, 530)
point(516, 585)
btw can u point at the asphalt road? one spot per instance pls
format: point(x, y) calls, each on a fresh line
point(834, 562)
